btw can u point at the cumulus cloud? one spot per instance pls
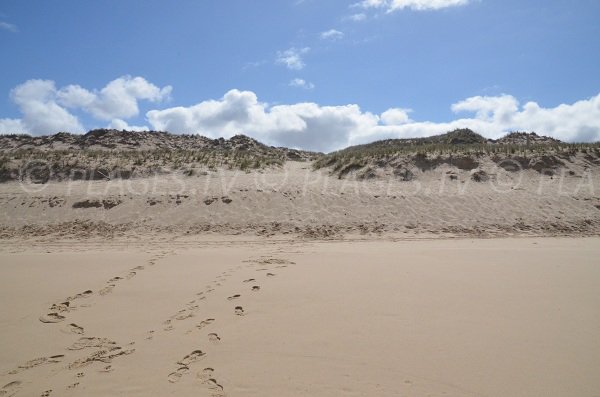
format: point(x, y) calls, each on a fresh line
point(499, 109)
point(119, 99)
point(418, 5)
point(395, 116)
point(11, 126)
point(119, 124)
point(8, 26)
point(326, 128)
point(299, 125)
point(46, 109)
point(301, 83)
point(332, 35)
point(292, 58)
point(41, 114)
point(579, 121)
point(494, 116)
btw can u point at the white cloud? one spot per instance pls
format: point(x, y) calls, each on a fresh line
point(74, 96)
point(41, 114)
point(225, 117)
point(395, 116)
point(418, 5)
point(361, 16)
point(304, 125)
point(332, 35)
point(119, 99)
point(292, 58)
point(11, 126)
point(44, 108)
point(8, 26)
point(495, 116)
point(300, 125)
point(498, 109)
point(326, 128)
point(119, 124)
point(301, 83)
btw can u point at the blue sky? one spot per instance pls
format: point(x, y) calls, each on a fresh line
point(314, 74)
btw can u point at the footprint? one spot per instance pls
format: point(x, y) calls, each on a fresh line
point(80, 375)
point(239, 310)
point(184, 316)
point(206, 374)
point(61, 307)
point(46, 393)
point(138, 268)
point(106, 369)
point(213, 385)
point(176, 375)
point(103, 355)
point(92, 342)
point(74, 385)
point(249, 280)
point(256, 288)
point(277, 261)
point(52, 318)
point(106, 290)
point(117, 278)
point(37, 362)
point(84, 294)
point(191, 358)
point(11, 387)
point(205, 323)
point(74, 329)
point(270, 275)
point(130, 275)
point(236, 296)
point(214, 338)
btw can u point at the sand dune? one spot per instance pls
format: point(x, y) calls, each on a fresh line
point(297, 201)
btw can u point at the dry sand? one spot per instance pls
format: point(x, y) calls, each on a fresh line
point(454, 317)
point(296, 201)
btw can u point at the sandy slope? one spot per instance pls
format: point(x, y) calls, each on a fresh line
point(298, 201)
point(501, 317)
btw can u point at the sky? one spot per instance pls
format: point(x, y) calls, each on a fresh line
point(312, 74)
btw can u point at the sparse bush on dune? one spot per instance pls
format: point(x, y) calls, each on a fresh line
point(118, 154)
point(103, 154)
point(462, 149)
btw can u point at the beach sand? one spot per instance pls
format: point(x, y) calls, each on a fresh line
point(255, 317)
